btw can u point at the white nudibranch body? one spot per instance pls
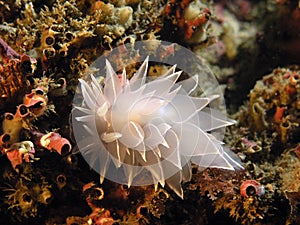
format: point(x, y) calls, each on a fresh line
point(151, 131)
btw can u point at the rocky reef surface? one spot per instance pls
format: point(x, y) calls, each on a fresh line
point(253, 48)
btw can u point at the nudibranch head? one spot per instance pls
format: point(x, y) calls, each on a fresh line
point(144, 133)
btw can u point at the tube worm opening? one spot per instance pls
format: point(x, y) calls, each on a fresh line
point(143, 210)
point(37, 105)
point(285, 127)
point(63, 52)
point(65, 149)
point(69, 36)
point(5, 137)
point(61, 81)
point(62, 89)
point(49, 53)
point(61, 181)
point(50, 40)
point(4, 140)
point(39, 92)
point(251, 191)
point(251, 188)
point(8, 116)
point(22, 111)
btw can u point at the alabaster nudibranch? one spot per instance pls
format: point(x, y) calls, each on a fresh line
point(150, 130)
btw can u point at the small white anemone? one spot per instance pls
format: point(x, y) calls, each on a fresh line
point(152, 131)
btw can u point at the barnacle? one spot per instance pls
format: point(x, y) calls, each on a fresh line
point(143, 133)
